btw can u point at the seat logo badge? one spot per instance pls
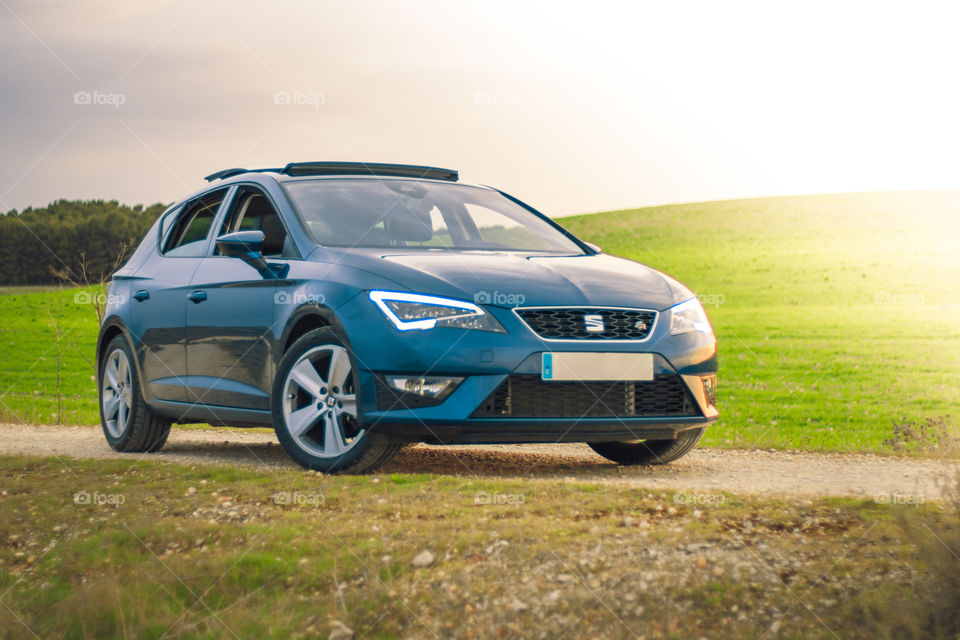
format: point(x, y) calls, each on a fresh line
point(593, 323)
point(640, 325)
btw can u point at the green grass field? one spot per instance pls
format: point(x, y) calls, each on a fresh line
point(837, 315)
point(28, 356)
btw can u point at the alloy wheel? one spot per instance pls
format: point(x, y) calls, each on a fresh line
point(320, 402)
point(116, 393)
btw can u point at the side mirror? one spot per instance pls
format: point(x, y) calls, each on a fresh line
point(248, 246)
point(594, 247)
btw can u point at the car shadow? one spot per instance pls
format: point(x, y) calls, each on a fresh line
point(458, 461)
point(463, 461)
point(254, 454)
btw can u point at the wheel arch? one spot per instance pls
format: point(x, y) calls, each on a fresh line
point(304, 320)
point(308, 318)
point(110, 329)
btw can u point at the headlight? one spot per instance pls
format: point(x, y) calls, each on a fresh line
point(689, 316)
point(415, 311)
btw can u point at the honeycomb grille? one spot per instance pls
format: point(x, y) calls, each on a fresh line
point(571, 324)
point(527, 396)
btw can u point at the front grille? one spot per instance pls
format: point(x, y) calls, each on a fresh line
point(389, 399)
point(571, 324)
point(528, 396)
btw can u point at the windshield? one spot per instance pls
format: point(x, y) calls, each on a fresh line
point(411, 213)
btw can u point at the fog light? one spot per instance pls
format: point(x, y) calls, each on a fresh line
point(710, 389)
point(434, 387)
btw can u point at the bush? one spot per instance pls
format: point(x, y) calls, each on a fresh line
point(935, 435)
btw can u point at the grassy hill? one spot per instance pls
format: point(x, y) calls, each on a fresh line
point(837, 315)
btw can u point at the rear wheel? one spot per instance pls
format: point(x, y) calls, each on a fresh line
point(648, 451)
point(128, 423)
point(316, 408)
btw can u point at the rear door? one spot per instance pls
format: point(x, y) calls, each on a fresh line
point(160, 288)
point(230, 328)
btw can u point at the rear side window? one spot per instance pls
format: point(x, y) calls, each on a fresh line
point(252, 210)
point(187, 235)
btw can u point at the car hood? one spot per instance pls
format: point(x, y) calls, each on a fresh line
point(516, 279)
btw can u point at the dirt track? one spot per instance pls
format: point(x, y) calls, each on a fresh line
point(703, 470)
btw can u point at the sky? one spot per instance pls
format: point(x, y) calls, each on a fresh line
point(573, 107)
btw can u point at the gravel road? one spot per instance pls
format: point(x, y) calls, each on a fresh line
point(703, 470)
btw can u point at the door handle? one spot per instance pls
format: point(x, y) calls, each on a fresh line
point(197, 296)
point(141, 295)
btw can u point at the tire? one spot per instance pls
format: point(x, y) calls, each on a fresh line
point(316, 408)
point(648, 452)
point(127, 422)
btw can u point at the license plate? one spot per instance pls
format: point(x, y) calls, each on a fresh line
point(597, 367)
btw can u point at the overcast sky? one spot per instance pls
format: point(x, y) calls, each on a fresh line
point(574, 107)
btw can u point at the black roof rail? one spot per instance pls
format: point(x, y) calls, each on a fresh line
point(229, 173)
point(369, 169)
point(348, 169)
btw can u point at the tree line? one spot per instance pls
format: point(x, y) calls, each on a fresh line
point(75, 240)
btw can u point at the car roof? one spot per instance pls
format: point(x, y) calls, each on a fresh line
point(327, 168)
point(300, 171)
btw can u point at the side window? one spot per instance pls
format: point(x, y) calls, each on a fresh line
point(252, 210)
point(188, 234)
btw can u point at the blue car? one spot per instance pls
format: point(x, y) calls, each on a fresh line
point(359, 307)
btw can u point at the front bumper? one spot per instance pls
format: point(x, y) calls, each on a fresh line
point(491, 362)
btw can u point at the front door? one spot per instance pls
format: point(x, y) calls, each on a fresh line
point(231, 337)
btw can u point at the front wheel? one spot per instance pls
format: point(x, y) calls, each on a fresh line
point(648, 451)
point(316, 411)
